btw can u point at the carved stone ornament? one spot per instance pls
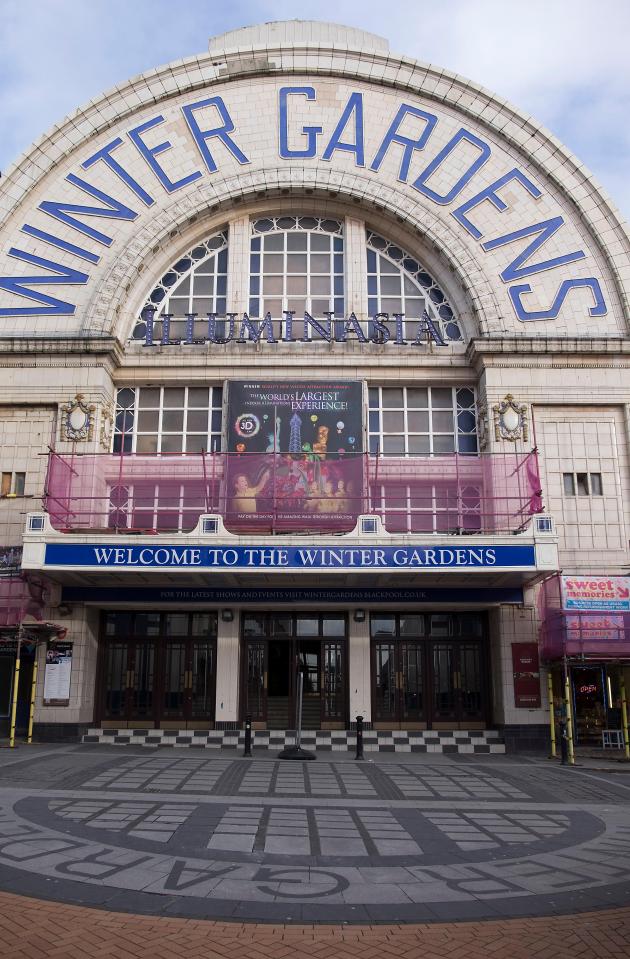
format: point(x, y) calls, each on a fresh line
point(77, 420)
point(482, 425)
point(107, 419)
point(510, 420)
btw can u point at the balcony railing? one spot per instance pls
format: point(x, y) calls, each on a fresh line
point(286, 493)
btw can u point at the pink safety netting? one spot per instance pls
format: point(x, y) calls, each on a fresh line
point(20, 597)
point(587, 633)
point(281, 492)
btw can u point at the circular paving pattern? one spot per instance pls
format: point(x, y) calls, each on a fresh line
point(397, 840)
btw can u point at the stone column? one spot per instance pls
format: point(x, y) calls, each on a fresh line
point(227, 671)
point(359, 669)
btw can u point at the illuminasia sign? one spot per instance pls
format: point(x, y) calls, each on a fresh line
point(251, 558)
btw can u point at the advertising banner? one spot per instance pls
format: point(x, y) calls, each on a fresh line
point(295, 454)
point(607, 594)
point(57, 673)
point(526, 675)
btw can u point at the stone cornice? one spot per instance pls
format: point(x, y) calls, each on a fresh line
point(64, 347)
point(572, 351)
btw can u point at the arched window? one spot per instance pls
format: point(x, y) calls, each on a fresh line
point(196, 283)
point(296, 263)
point(398, 283)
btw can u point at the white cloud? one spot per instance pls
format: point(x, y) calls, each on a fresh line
point(563, 61)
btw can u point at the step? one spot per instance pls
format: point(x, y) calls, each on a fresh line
point(341, 740)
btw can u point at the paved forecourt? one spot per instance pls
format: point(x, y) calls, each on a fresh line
point(399, 840)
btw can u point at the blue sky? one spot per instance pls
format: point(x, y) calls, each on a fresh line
point(564, 61)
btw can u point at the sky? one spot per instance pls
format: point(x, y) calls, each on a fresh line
point(565, 62)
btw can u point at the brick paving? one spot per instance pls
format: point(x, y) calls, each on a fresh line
point(33, 929)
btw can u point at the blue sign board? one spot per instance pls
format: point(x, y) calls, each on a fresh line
point(356, 558)
point(228, 594)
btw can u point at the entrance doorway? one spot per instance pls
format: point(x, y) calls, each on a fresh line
point(8, 654)
point(589, 704)
point(158, 669)
point(429, 670)
point(276, 648)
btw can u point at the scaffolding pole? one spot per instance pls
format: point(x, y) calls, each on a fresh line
point(16, 683)
point(31, 710)
point(624, 713)
point(552, 718)
point(569, 712)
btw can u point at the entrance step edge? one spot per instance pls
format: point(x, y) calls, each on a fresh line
point(403, 741)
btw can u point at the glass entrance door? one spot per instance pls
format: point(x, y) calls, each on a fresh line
point(421, 680)
point(188, 682)
point(458, 686)
point(278, 647)
point(398, 671)
point(158, 669)
point(129, 682)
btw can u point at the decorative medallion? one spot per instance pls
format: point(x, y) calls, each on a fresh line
point(510, 420)
point(77, 422)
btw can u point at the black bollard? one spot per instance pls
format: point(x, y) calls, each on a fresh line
point(248, 736)
point(564, 744)
point(359, 754)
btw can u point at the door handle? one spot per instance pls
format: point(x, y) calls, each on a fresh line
point(265, 680)
point(188, 679)
point(131, 676)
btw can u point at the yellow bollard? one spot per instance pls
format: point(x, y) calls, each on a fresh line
point(567, 699)
point(31, 711)
point(16, 682)
point(552, 718)
point(624, 714)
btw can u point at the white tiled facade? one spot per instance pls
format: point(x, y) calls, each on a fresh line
point(571, 372)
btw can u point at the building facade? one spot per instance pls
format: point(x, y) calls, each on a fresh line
point(314, 372)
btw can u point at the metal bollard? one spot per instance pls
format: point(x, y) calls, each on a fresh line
point(359, 754)
point(564, 744)
point(248, 737)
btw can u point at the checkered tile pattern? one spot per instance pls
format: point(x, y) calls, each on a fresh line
point(403, 741)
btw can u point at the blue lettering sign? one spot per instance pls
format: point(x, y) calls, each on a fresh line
point(150, 153)
point(60, 244)
point(410, 145)
point(116, 210)
point(20, 285)
point(490, 194)
point(353, 109)
point(106, 156)
point(515, 270)
point(221, 132)
point(311, 133)
point(450, 148)
point(516, 292)
point(289, 557)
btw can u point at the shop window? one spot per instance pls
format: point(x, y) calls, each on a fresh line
point(398, 283)
point(582, 484)
point(165, 419)
point(297, 264)
point(195, 283)
point(422, 421)
point(13, 484)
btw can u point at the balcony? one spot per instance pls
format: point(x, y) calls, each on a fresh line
point(273, 493)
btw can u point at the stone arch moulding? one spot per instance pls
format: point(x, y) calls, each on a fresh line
point(118, 298)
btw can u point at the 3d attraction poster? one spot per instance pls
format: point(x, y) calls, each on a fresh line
point(295, 454)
